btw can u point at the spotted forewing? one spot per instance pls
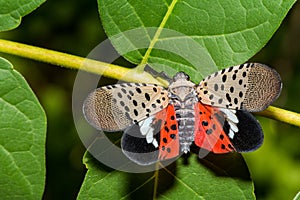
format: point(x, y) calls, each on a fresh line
point(251, 87)
point(115, 107)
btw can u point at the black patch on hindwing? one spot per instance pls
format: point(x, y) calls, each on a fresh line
point(135, 147)
point(250, 135)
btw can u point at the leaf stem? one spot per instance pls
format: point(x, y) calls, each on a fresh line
point(282, 115)
point(115, 71)
point(76, 62)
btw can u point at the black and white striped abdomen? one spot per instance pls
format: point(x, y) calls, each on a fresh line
point(185, 116)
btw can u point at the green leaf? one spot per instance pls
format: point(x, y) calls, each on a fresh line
point(22, 138)
point(11, 12)
point(229, 31)
point(214, 177)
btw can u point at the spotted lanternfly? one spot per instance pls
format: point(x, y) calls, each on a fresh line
point(161, 124)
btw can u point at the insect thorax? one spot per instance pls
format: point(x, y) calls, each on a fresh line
point(182, 95)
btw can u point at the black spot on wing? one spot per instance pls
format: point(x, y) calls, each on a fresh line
point(244, 74)
point(204, 123)
point(173, 136)
point(124, 90)
point(167, 129)
point(131, 93)
point(222, 87)
point(220, 101)
point(147, 96)
point(173, 127)
point(209, 131)
point(138, 90)
point(134, 102)
point(233, 76)
point(224, 78)
point(164, 140)
point(228, 97)
point(216, 87)
point(143, 105)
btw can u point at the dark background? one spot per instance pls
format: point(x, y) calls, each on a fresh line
point(74, 27)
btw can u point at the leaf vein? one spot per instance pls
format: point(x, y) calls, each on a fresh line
point(140, 186)
point(183, 183)
point(158, 32)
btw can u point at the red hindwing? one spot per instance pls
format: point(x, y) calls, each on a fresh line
point(209, 129)
point(169, 139)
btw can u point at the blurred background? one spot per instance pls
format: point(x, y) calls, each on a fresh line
point(74, 27)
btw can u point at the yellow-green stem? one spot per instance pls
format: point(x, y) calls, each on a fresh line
point(75, 62)
point(114, 71)
point(282, 115)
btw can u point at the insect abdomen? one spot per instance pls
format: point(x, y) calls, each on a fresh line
point(186, 122)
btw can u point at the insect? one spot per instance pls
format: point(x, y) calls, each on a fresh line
point(160, 124)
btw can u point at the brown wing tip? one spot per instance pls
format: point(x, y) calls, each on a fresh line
point(91, 110)
point(264, 87)
point(101, 112)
